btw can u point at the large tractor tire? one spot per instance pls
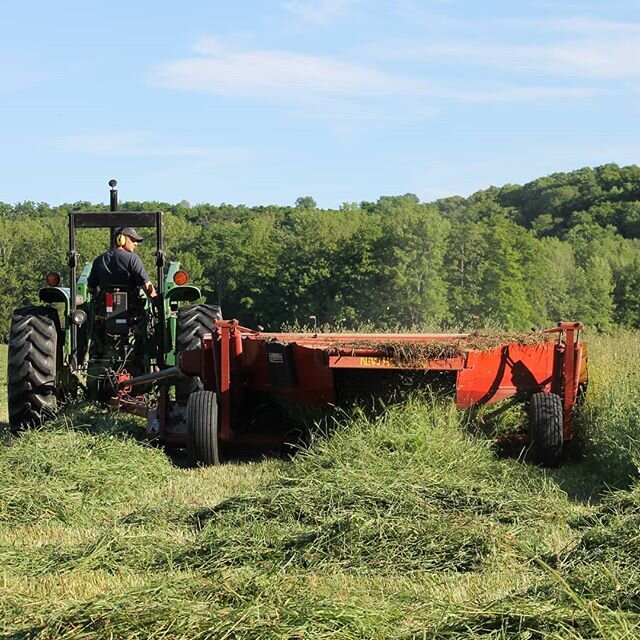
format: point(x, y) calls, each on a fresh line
point(202, 429)
point(194, 321)
point(32, 366)
point(545, 429)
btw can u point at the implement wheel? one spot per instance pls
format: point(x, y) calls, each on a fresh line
point(202, 428)
point(545, 429)
point(32, 366)
point(193, 322)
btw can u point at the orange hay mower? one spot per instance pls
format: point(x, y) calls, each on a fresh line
point(238, 370)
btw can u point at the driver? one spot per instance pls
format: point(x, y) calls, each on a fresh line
point(121, 266)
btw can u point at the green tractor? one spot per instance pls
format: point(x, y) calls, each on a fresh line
point(78, 343)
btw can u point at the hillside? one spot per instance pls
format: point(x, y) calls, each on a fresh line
point(564, 246)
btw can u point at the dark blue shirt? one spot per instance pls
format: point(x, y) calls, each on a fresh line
point(117, 268)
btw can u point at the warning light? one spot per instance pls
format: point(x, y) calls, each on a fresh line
point(180, 278)
point(53, 278)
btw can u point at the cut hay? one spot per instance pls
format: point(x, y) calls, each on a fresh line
point(416, 353)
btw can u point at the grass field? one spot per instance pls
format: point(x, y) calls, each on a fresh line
point(401, 526)
point(4, 414)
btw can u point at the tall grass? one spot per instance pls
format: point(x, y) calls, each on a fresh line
point(4, 410)
point(400, 525)
point(610, 419)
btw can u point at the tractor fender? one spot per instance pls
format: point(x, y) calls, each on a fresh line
point(56, 294)
point(185, 293)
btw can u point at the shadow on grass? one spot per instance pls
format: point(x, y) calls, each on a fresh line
point(96, 419)
point(85, 417)
point(583, 476)
point(5, 433)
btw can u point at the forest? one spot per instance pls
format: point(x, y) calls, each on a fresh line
point(562, 247)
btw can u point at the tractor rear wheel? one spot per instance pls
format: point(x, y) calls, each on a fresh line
point(202, 429)
point(194, 321)
point(545, 428)
point(32, 366)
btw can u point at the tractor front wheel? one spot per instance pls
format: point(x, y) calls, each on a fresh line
point(194, 321)
point(545, 429)
point(32, 366)
point(202, 429)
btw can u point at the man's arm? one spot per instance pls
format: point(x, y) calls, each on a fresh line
point(92, 280)
point(140, 276)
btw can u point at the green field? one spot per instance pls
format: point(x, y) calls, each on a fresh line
point(401, 526)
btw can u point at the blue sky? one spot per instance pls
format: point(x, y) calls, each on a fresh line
point(344, 100)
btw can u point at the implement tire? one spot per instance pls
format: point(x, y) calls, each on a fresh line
point(202, 429)
point(194, 321)
point(545, 429)
point(32, 366)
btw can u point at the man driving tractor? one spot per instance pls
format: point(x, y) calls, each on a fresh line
point(121, 266)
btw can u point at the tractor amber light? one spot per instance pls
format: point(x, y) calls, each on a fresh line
point(180, 278)
point(53, 279)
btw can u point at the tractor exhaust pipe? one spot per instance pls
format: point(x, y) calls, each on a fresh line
point(113, 206)
point(113, 196)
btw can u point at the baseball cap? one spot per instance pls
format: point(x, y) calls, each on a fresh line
point(130, 232)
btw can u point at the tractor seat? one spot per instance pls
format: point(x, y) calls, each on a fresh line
point(121, 307)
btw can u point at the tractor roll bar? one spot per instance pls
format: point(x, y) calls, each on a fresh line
point(72, 261)
point(98, 220)
point(113, 220)
point(160, 260)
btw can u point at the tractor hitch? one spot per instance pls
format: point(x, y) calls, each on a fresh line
point(153, 376)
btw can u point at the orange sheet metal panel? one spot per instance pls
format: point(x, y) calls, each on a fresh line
point(493, 375)
point(372, 361)
point(314, 379)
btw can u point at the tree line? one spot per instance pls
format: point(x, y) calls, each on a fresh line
point(562, 247)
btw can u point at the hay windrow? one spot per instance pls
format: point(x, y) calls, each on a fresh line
point(406, 352)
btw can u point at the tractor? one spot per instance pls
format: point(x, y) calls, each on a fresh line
point(78, 342)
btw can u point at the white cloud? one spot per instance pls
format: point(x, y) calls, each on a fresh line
point(322, 82)
point(142, 144)
point(588, 25)
point(588, 49)
point(597, 57)
point(521, 94)
point(278, 74)
point(318, 12)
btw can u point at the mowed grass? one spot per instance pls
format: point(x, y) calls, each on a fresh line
point(402, 525)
